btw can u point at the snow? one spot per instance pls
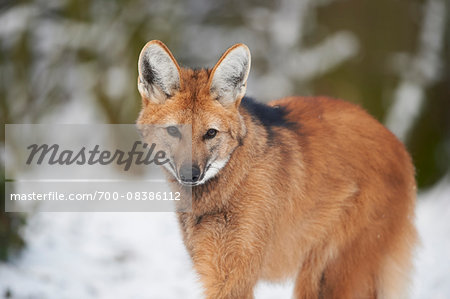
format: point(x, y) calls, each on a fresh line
point(141, 255)
point(432, 278)
point(101, 255)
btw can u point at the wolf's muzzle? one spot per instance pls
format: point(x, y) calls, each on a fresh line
point(189, 173)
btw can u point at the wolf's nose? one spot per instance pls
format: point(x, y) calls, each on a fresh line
point(189, 173)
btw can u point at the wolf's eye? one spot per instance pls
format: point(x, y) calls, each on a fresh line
point(173, 131)
point(210, 134)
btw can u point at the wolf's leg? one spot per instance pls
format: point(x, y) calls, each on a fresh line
point(309, 280)
point(228, 256)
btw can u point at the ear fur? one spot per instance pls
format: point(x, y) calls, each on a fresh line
point(159, 73)
point(228, 81)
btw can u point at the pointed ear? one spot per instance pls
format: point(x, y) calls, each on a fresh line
point(228, 81)
point(159, 73)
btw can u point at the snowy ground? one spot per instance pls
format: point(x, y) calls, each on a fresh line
point(140, 255)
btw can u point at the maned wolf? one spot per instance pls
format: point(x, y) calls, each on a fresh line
point(305, 187)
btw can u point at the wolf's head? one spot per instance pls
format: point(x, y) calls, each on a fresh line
point(197, 110)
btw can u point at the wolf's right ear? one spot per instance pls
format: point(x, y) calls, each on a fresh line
point(159, 73)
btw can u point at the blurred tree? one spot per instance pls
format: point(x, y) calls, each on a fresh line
point(390, 33)
point(10, 227)
point(383, 28)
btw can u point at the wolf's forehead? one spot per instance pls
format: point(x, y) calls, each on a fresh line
point(195, 75)
point(195, 83)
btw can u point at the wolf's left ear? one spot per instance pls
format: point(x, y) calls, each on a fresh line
point(228, 81)
point(159, 73)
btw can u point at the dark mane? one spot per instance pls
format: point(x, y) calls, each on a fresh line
point(268, 116)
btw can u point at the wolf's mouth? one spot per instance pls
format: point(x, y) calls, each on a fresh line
point(209, 171)
point(199, 181)
point(191, 177)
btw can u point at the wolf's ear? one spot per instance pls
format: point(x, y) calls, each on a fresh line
point(159, 73)
point(228, 80)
